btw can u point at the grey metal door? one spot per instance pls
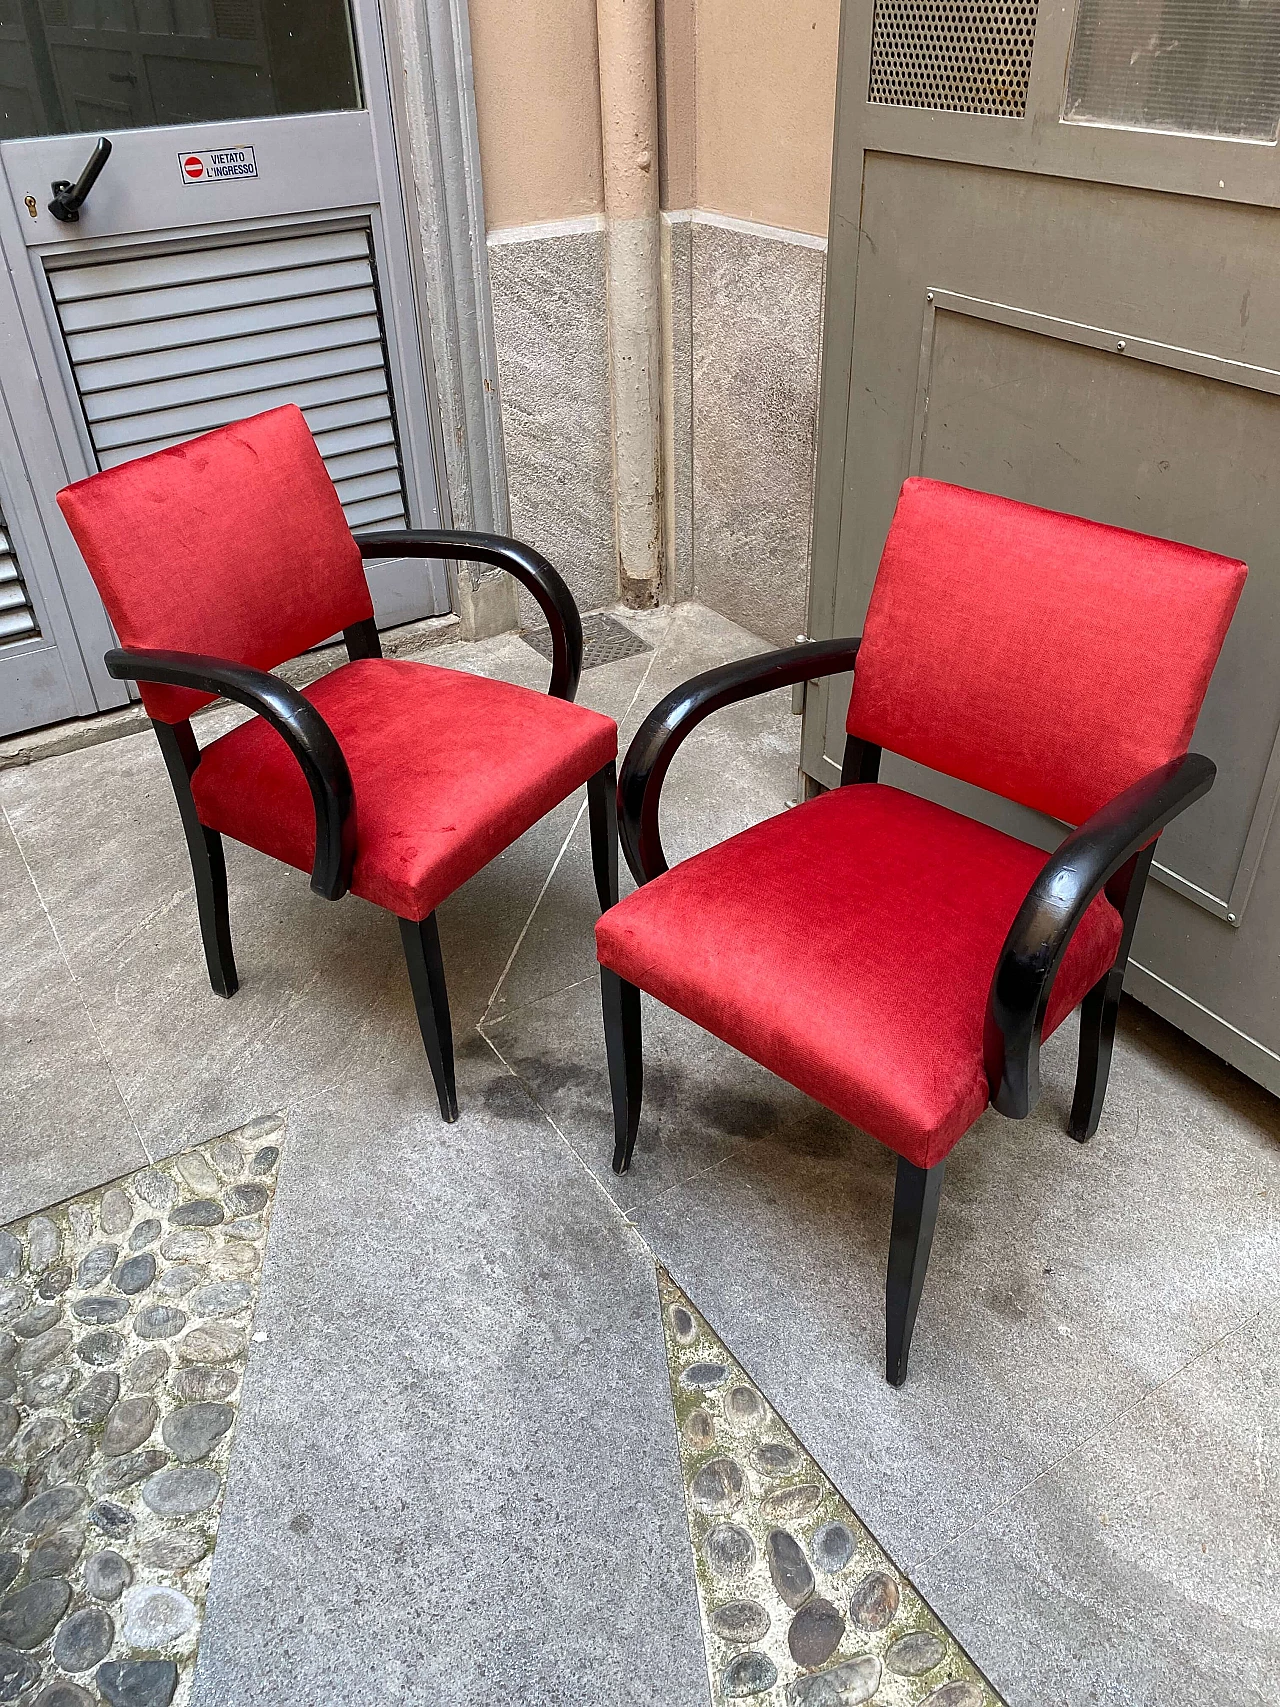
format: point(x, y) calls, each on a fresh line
point(243, 247)
point(1052, 275)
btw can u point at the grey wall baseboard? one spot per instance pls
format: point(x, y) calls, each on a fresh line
point(745, 306)
point(548, 289)
point(756, 336)
point(1253, 1059)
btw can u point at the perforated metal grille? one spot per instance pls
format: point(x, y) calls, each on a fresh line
point(235, 20)
point(953, 56)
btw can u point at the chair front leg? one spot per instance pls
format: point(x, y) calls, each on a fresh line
point(602, 810)
point(421, 940)
point(915, 1214)
point(624, 1048)
point(208, 866)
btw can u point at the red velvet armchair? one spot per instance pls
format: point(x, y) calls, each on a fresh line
point(896, 960)
point(221, 558)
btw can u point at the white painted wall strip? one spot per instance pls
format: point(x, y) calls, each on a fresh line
point(671, 216)
point(750, 228)
point(547, 228)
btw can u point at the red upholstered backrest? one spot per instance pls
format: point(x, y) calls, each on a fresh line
point(233, 544)
point(1051, 660)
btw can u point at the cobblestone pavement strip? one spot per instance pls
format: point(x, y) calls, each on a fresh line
point(800, 1605)
point(125, 1320)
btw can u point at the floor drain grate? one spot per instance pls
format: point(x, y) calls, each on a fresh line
point(605, 640)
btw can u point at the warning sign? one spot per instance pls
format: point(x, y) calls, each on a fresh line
point(215, 165)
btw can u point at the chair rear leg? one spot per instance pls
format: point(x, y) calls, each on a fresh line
point(602, 809)
point(208, 866)
point(1101, 1007)
point(421, 941)
point(915, 1214)
point(1098, 1014)
point(624, 1047)
point(210, 869)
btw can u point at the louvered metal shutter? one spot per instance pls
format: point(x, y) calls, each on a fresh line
point(17, 619)
point(167, 346)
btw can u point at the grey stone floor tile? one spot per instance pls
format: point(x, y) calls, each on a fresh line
point(696, 1108)
point(555, 946)
point(101, 829)
point(456, 1479)
point(1065, 1280)
point(63, 1123)
point(738, 766)
point(736, 769)
point(1142, 1570)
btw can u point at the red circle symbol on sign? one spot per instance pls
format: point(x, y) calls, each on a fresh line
point(193, 166)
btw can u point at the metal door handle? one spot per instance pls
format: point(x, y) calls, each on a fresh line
point(69, 198)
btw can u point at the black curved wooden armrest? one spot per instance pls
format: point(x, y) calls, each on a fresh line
point(659, 736)
point(307, 735)
point(1076, 873)
point(528, 566)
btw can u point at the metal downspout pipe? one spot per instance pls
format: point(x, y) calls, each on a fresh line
point(627, 36)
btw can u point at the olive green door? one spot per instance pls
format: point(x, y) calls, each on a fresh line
point(1052, 275)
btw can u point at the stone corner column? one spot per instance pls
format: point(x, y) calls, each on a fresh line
point(629, 130)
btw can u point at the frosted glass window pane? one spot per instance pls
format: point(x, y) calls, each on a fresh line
point(1197, 67)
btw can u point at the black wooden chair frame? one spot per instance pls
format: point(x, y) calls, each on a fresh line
point(321, 761)
point(1112, 850)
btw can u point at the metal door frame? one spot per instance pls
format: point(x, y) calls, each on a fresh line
point(66, 605)
point(436, 310)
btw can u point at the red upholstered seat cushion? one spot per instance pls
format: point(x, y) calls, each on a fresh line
point(849, 945)
point(232, 544)
point(1049, 659)
point(448, 769)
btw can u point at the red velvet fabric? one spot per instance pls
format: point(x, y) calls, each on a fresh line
point(233, 544)
point(849, 946)
point(448, 769)
point(1051, 660)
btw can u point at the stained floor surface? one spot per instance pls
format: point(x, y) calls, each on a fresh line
point(455, 1476)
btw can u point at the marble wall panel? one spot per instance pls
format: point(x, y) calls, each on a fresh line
point(757, 322)
point(745, 329)
point(678, 258)
point(553, 372)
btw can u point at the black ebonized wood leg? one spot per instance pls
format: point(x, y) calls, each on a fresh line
point(915, 1213)
point(431, 998)
point(602, 809)
point(1101, 1007)
point(622, 1040)
point(208, 867)
point(1098, 1013)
